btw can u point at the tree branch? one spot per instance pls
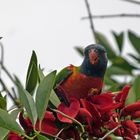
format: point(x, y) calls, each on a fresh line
point(123, 15)
point(132, 1)
point(91, 20)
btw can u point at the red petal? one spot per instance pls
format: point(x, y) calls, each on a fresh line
point(132, 108)
point(48, 125)
point(103, 99)
point(71, 111)
point(93, 110)
point(135, 115)
point(14, 136)
point(129, 124)
point(25, 123)
point(121, 97)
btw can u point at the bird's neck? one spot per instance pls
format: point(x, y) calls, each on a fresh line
point(91, 70)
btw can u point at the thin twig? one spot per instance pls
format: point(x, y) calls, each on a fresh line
point(123, 15)
point(8, 74)
point(59, 133)
point(132, 1)
point(2, 57)
point(110, 132)
point(6, 89)
point(91, 20)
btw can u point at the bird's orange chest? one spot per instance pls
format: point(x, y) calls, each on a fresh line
point(80, 86)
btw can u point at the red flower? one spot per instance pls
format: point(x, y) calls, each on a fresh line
point(14, 136)
point(130, 109)
point(71, 111)
point(48, 125)
point(122, 95)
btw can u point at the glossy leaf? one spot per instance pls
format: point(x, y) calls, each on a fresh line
point(32, 74)
point(103, 41)
point(79, 50)
point(7, 122)
point(28, 102)
point(43, 93)
point(119, 40)
point(135, 40)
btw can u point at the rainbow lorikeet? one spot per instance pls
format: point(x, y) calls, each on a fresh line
point(85, 80)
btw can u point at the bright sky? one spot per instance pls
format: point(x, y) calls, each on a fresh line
point(53, 27)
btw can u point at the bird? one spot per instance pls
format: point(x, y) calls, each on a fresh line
point(84, 80)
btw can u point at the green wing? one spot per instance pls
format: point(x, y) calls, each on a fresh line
point(62, 75)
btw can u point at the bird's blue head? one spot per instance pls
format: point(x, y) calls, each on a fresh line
point(95, 61)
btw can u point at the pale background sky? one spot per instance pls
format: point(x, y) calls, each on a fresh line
point(53, 27)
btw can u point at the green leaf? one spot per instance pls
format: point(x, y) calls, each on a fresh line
point(28, 102)
point(62, 75)
point(3, 103)
point(79, 50)
point(41, 137)
point(119, 39)
point(123, 64)
point(103, 41)
point(43, 93)
point(113, 70)
point(40, 74)
point(136, 87)
point(54, 99)
point(3, 133)
point(135, 40)
point(32, 74)
point(7, 122)
point(15, 113)
point(135, 57)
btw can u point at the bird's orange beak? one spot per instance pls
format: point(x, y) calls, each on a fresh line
point(93, 57)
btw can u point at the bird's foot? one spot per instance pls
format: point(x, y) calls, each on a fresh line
point(93, 91)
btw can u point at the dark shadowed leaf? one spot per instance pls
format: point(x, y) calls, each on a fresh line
point(7, 122)
point(135, 40)
point(3, 103)
point(28, 102)
point(43, 93)
point(123, 64)
point(32, 74)
point(119, 40)
point(79, 50)
point(103, 41)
